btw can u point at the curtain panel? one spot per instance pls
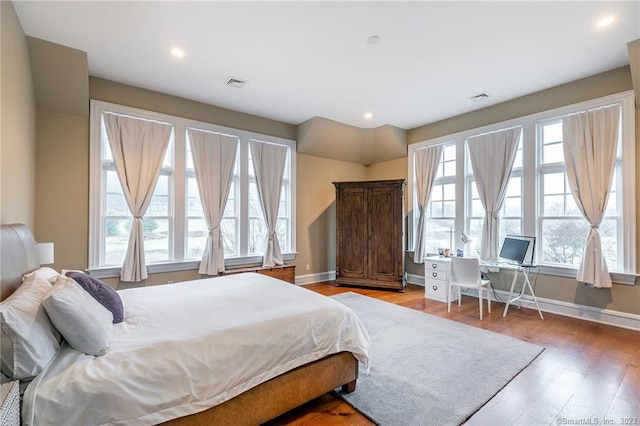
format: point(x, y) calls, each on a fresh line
point(268, 163)
point(138, 148)
point(590, 141)
point(492, 157)
point(214, 157)
point(426, 167)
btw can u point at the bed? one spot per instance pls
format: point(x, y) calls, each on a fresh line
point(159, 369)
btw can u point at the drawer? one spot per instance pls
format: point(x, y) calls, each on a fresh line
point(431, 265)
point(437, 290)
point(435, 274)
point(284, 273)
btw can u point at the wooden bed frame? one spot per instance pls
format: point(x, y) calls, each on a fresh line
point(257, 405)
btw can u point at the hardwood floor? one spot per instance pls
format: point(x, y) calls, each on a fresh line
point(589, 373)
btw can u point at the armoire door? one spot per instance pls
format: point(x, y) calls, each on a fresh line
point(383, 227)
point(352, 249)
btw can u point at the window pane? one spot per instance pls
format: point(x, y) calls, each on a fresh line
point(563, 240)
point(513, 207)
point(196, 238)
point(554, 183)
point(282, 232)
point(475, 232)
point(450, 192)
point(194, 206)
point(510, 227)
point(476, 208)
point(116, 205)
point(436, 209)
point(257, 235)
point(552, 154)
point(608, 235)
point(449, 152)
point(159, 205)
point(437, 235)
point(116, 240)
point(255, 209)
point(449, 208)
point(552, 133)
point(156, 240)
point(450, 168)
point(436, 193)
point(554, 205)
point(228, 229)
point(514, 187)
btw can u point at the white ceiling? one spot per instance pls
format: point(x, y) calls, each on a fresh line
point(306, 59)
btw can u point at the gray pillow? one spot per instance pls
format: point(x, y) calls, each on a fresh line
point(107, 296)
point(83, 322)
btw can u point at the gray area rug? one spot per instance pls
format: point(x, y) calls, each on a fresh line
point(427, 370)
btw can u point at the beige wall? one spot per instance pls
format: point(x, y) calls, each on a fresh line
point(18, 118)
point(135, 97)
point(62, 161)
point(316, 214)
point(62, 186)
point(623, 298)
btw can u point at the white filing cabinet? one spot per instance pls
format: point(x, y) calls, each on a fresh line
point(436, 278)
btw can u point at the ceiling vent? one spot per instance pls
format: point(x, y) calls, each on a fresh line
point(235, 82)
point(480, 97)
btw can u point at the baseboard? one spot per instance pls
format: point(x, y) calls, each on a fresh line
point(315, 278)
point(572, 310)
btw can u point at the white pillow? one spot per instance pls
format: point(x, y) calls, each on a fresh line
point(83, 322)
point(28, 340)
point(44, 271)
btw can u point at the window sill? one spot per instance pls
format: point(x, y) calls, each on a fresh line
point(617, 277)
point(158, 268)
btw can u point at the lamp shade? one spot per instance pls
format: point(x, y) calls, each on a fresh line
point(45, 253)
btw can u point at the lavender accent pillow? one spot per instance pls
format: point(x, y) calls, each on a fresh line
point(100, 291)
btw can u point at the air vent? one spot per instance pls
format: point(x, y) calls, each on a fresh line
point(235, 82)
point(480, 97)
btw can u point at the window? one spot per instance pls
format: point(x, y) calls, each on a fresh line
point(538, 201)
point(510, 213)
point(562, 227)
point(174, 227)
point(441, 210)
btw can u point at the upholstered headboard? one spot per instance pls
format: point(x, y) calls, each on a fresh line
point(18, 255)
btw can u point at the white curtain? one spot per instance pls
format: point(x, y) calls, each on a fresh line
point(138, 148)
point(492, 156)
point(426, 166)
point(268, 163)
point(590, 143)
point(214, 156)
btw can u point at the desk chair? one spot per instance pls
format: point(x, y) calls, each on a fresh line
point(465, 272)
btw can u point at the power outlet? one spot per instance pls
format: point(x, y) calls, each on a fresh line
point(307, 267)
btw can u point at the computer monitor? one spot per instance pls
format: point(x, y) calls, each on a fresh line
point(515, 249)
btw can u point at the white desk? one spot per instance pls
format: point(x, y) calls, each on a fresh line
point(437, 271)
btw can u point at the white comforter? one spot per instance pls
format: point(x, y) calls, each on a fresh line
point(188, 346)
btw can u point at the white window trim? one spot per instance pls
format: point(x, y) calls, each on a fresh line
point(181, 124)
point(530, 203)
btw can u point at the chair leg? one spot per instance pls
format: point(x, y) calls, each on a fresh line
point(449, 298)
point(480, 301)
point(459, 296)
point(489, 299)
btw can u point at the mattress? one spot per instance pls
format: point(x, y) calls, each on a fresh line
point(188, 346)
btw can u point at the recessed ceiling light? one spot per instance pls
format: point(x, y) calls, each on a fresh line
point(368, 115)
point(177, 52)
point(606, 21)
point(374, 39)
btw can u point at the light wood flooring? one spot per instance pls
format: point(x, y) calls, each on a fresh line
point(588, 374)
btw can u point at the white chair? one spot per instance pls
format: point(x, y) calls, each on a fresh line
point(465, 272)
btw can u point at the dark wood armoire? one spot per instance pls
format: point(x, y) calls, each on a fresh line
point(370, 233)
